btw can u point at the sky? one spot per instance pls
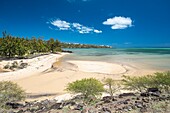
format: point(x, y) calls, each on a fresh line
point(119, 23)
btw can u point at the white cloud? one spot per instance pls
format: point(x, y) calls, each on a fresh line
point(119, 26)
point(119, 22)
point(97, 31)
point(77, 26)
point(85, 29)
point(63, 25)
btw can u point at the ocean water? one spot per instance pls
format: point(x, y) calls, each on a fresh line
point(145, 58)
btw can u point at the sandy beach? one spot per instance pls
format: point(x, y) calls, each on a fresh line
point(35, 66)
point(41, 80)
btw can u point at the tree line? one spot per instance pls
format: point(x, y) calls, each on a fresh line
point(11, 46)
point(72, 45)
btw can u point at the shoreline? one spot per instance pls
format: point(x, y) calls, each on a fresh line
point(35, 66)
point(50, 80)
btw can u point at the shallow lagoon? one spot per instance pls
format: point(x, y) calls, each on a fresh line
point(145, 58)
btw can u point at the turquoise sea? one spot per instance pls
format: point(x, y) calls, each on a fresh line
point(145, 58)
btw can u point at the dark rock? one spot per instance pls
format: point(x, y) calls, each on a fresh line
point(127, 94)
point(144, 94)
point(137, 98)
point(127, 99)
point(105, 109)
point(66, 51)
point(145, 100)
point(107, 99)
point(56, 106)
point(23, 65)
point(114, 99)
point(79, 107)
point(119, 109)
point(69, 103)
point(156, 94)
point(125, 102)
point(120, 96)
point(153, 90)
point(14, 105)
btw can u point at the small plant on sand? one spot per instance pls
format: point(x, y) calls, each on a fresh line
point(112, 86)
point(142, 83)
point(90, 87)
point(10, 92)
point(137, 83)
point(162, 81)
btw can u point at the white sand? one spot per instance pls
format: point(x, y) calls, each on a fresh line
point(35, 66)
point(99, 67)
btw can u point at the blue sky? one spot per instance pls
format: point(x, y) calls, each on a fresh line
point(120, 23)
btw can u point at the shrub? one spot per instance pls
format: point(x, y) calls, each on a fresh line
point(10, 92)
point(157, 80)
point(113, 86)
point(137, 83)
point(162, 81)
point(87, 87)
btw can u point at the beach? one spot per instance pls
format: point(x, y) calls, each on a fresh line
point(35, 66)
point(47, 76)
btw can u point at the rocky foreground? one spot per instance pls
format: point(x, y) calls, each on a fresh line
point(149, 102)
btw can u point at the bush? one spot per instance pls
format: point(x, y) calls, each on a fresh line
point(87, 87)
point(162, 81)
point(113, 86)
point(137, 83)
point(157, 80)
point(10, 92)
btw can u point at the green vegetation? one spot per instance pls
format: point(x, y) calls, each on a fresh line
point(92, 87)
point(20, 47)
point(71, 45)
point(157, 80)
point(11, 46)
point(87, 87)
point(113, 86)
point(10, 92)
